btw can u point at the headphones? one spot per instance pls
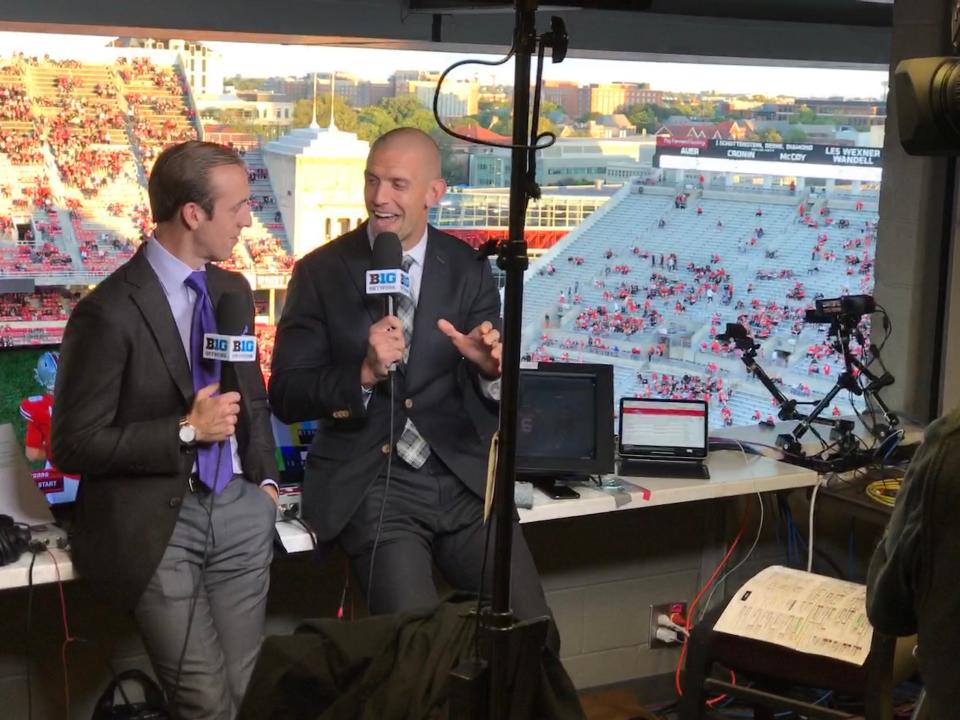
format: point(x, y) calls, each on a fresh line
point(14, 540)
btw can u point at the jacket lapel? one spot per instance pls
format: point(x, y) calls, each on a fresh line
point(358, 256)
point(147, 295)
point(433, 301)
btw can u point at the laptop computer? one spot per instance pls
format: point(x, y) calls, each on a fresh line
point(663, 438)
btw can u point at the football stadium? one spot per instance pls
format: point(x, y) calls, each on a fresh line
point(719, 483)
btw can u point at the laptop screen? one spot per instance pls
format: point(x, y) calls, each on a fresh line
point(663, 428)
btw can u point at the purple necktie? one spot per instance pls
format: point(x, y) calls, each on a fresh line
point(206, 372)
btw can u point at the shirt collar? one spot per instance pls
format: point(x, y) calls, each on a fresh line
point(419, 251)
point(170, 269)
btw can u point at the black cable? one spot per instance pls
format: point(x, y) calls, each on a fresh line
point(383, 502)
point(196, 591)
point(29, 625)
point(476, 141)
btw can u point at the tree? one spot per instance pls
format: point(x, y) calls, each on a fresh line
point(407, 111)
point(374, 121)
point(344, 115)
point(767, 135)
point(643, 117)
point(805, 115)
point(795, 135)
point(243, 83)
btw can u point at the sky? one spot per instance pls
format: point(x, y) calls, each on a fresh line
point(256, 60)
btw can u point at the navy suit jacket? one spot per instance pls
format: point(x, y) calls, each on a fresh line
point(321, 342)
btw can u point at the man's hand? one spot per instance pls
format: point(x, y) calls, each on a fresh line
point(271, 490)
point(215, 418)
point(481, 346)
point(385, 347)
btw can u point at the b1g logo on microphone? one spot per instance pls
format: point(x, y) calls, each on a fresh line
point(244, 345)
point(380, 277)
point(388, 282)
point(229, 348)
point(215, 344)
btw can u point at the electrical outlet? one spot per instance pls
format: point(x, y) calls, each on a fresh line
point(667, 609)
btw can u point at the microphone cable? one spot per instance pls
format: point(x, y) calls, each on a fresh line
point(383, 501)
point(196, 590)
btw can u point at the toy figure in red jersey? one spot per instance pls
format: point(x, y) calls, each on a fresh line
point(37, 410)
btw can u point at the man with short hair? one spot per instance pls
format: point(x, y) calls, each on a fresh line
point(332, 359)
point(176, 507)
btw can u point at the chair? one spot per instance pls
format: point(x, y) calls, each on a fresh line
point(775, 669)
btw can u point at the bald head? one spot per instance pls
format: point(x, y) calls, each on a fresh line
point(415, 141)
point(402, 181)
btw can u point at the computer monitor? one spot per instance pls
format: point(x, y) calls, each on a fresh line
point(292, 443)
point(565, 420)
point(27, 377)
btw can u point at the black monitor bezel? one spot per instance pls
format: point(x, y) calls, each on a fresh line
point(604, 461)
point(660, 451)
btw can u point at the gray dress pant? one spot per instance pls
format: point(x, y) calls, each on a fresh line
point(231, 598)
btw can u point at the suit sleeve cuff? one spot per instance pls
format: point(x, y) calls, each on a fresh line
point(271, 483)
point(490, 388)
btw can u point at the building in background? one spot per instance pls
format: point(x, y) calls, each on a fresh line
point(317, 176)
point(458, 98)
point(610, 98)
point(573, 99)
point(570, 161)
point(254, 107)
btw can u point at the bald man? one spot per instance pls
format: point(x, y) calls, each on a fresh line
point(399, 502)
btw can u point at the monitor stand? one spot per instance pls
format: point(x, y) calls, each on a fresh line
point(554, 485)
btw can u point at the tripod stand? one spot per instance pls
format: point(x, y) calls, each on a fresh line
point(842, 328)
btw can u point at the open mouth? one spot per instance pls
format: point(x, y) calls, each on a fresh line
point(382, 218)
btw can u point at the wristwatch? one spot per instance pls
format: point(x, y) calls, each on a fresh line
point(187, 433)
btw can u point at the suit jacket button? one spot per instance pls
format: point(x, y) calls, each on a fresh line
point(175, 502)
point(385, 449)
point(408, 403)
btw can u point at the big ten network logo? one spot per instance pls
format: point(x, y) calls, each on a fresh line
point(383, 278)
point(232, 348)
point(244, 345)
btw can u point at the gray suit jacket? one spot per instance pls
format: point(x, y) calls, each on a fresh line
point(123, 384)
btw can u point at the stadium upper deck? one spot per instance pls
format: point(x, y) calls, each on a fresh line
point(77, 141)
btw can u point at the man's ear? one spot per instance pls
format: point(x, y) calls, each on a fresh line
point(436, 191)
point(191, 215)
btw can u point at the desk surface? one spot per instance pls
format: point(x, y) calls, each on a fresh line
point(731, 473)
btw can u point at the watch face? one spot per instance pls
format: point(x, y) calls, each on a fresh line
point(187, 433)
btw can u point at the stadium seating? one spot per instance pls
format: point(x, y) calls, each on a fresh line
point(77, 141)
point(644, 272)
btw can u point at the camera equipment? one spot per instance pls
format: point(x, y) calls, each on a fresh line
point(14, 540)
point(847, 308)
point(928, 102)
point(843, 314)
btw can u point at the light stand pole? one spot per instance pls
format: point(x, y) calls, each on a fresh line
point(513, 261)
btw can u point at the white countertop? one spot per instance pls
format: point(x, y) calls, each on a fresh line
point(731, 473)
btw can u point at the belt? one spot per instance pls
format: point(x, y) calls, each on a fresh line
point(198, 487)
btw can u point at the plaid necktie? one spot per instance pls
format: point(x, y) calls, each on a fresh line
point(206, 372)
point(411, 447)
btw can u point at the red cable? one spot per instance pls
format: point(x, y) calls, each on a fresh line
point(67, 637)
point(696, 599)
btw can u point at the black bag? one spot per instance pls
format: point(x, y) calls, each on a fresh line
point(154, 707)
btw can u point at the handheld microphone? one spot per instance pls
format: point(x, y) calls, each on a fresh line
point(231, 344)
point(386, 276)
